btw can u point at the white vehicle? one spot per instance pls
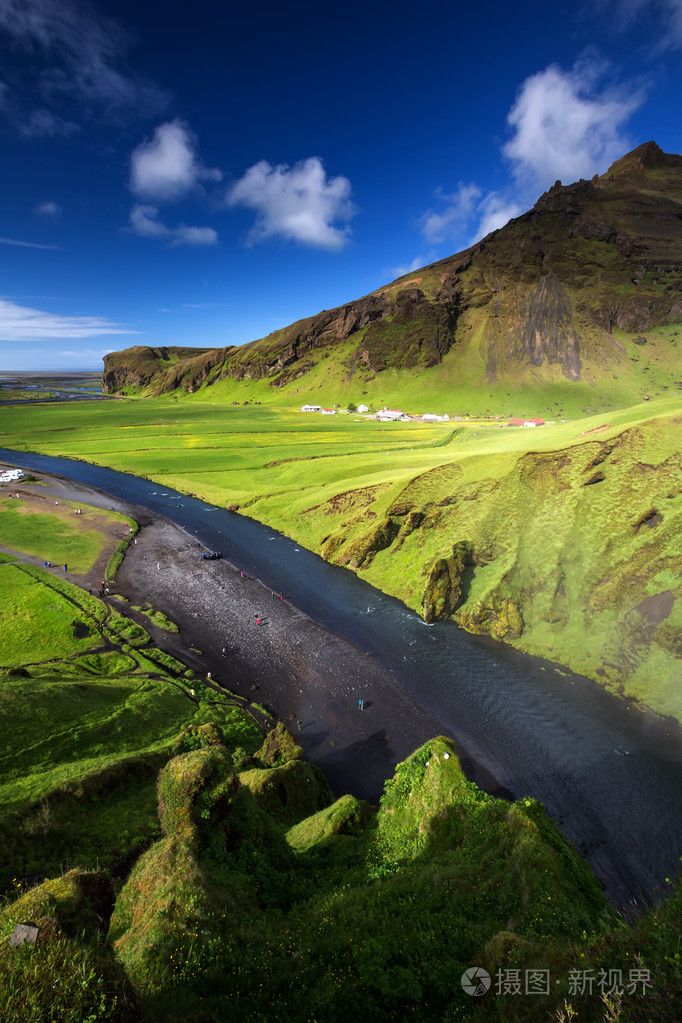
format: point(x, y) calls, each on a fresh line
point(9, 475)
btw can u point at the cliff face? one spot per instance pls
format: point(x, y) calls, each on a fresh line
point(543, 293)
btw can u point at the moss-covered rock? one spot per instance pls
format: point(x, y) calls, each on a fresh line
point(288, 793)
point(445, 585)
point(80, 902)
point(278, 748)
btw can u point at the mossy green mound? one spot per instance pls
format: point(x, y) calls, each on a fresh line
point(376, 913)
point(351, 912)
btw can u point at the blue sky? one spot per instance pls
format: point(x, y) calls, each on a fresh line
point(203, 174)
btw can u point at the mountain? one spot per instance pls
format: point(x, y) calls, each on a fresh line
point(564, 294)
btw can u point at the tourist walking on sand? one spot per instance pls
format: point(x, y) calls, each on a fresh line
point(158, 565)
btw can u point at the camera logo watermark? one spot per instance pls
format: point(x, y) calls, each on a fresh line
point(476, 981)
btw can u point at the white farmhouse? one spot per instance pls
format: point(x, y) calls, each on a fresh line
point(391, 415)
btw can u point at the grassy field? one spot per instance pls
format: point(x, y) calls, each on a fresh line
point(562, 540)
point(54, 532)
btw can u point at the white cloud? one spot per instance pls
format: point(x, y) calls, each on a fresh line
point(74, 53)
point(49, 209)
point(663, 16)
point(298, 203)
point(564, 127)
point(44, 124)
point(468, 205)
point(672, 23)
point(167, 167)
point(400, 271)
point(27, 245)
point(440, 226)
point(144, 223)
point(88, 353)
point(495, 211)
point(21, 323)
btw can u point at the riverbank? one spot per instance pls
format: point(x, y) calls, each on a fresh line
point(301, 673)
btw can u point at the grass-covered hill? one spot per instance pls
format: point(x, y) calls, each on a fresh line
point(264, 900)
point(562, 301)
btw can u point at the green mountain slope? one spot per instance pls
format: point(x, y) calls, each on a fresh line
point(564, 295)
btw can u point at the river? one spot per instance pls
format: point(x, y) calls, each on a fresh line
point(550, 734)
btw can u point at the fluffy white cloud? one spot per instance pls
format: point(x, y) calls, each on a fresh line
point(144, 223)
point(21, 323)
point(167, 167)
point(74, 52)
point(26, 245)
point(51, 210)
point(564, 127)
point(298, 203)
point(441, 226)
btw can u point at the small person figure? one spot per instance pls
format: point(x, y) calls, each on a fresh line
point(224, 651)
point(64, 568)
point(208, 675)
point(257, 621)
point(158, 566)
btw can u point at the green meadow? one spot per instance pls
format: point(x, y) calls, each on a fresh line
point(561, 540)
point(90, 710)
point(54, 532)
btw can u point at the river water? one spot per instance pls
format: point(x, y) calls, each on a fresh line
point(556, 736)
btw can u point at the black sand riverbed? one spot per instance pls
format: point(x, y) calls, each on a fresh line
point(300, 672)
